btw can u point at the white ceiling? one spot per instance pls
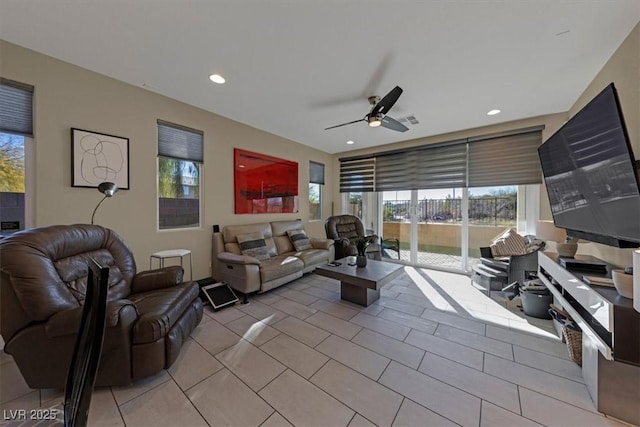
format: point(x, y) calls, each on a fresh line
point(295, 67)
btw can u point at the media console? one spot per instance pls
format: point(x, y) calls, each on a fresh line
point(611, 334)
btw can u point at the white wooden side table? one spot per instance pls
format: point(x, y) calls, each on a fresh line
point(172, 253)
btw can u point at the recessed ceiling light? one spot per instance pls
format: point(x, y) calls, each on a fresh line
point(493, 112)
point(217, 78)
point(350, 142)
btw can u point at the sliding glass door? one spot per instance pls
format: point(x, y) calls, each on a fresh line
point(445, 228)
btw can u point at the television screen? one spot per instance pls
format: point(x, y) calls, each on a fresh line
point(590, 173)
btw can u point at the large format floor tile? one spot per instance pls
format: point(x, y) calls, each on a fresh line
point(479, 342)
point(252, 330)
point(253, 366)
point(560, 388)
point(457, 352)
point(193, 365)
point(414, 322)
point(494, 416)
point(336, 326)
point(385, 327)
point(388, 347)
point(359, 358)
point(302, 331)
point(303, 403)
point(441, 398)
point(411, 415)
point(484, 386)
point(368, 398)
point(553, 413)
point(262, 312)
point(336, 309)
point(304, 360)
point(223, 399)
point(165, 405)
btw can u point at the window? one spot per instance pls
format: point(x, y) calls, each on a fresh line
point(316, 184)
point(180, 157)
point(16, 152)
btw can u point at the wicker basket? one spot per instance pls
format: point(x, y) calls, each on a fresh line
point(573, 340)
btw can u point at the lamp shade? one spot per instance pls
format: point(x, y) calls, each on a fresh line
point(108, 189)
point(546, 230)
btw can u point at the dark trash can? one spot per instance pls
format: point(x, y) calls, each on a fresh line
point(536, 300)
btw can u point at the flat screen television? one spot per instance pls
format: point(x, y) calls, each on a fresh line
point(591, 175)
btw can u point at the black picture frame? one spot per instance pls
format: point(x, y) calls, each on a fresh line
point(99, 157)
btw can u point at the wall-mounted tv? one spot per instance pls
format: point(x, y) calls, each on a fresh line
point(591, 175)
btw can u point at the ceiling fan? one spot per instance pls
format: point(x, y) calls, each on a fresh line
point(379, 108)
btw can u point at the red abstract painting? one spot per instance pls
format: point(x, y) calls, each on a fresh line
point(264, 184)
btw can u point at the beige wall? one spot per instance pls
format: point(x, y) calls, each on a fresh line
point(67, 96)
point(623, 69)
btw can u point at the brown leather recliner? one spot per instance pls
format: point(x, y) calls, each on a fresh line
point(343, 229)
point(44, 277)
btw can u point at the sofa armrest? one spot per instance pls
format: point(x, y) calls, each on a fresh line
point(121, 312)
point(232, 258)
point(157, 279)
point(342, 241)
point(318, 243)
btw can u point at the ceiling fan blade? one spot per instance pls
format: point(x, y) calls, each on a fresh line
point(387, 102)
point(344, 124)
point(393, 124)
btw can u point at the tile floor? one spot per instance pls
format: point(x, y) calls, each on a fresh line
point(433, 351)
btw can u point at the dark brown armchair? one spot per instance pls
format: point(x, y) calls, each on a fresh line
point(342, 229)
point(44, 278)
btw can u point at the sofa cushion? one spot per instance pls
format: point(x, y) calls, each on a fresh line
point(160, 309)
point(509, 243)
point(279, 266)
point(253, 244)
point(314, 256)
point(299, 239)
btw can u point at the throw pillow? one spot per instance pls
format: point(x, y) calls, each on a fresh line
point(253, 244)
point(299, 239)
point(509, 243)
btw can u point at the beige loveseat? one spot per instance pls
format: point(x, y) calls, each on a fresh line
point(280, 263)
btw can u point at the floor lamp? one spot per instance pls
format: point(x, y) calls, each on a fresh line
point(108, 189)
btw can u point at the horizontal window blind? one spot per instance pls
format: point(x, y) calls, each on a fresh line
point(16, 108)
point(357, 175)
point(437, 167)
point(180, 142)
point(505, 160)
point(316, 173)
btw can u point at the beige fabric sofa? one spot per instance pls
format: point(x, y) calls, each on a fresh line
point(248, 274)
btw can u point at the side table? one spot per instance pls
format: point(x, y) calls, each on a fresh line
point(172, 253)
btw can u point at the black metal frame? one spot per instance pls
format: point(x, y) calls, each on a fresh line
point(86, 356)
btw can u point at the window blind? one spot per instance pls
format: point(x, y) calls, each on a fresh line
point(437, 167)
point(16, 108)
point(316, 173)
point(505, 160)
point(357, 175)
point(180, 142)
point(502, 159)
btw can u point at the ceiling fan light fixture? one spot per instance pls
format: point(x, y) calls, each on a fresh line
point(375, 120)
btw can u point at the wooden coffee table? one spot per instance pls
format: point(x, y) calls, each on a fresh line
point(361, 285)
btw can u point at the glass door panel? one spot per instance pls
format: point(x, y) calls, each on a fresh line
point(491, 210)
point(439, 228)
point(396, 222)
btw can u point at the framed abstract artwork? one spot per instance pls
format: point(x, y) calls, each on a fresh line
point(264, 184)
point(98, 157)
